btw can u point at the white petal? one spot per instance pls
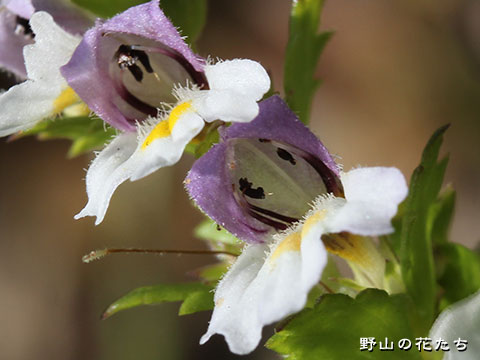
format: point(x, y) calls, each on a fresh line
point(25, 104)
point(461, 320)
point(53, 48)
point(257, 292)
point(168, 150)
point(246, 77)
point(385, 185)
point(106, 173)
point(235, 314)
point(225, 105)
point(373, 195)
point(125, 158)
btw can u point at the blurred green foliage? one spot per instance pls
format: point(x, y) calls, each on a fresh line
point(86, 132)
point(305, 45)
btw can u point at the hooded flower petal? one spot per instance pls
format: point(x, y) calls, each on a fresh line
point(274, 140)
point(15, 31)
point(137, 73)
point(23, 8)
point(161, 142)
point(273, 174)
point(256, 292)
point(133, 156)
point(45, 93)
point(461, 321)
point(259, 289)
point(125, 68)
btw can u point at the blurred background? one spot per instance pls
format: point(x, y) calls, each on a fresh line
point(393, 73)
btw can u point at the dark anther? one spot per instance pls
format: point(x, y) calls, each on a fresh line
point(127, 58)
point(271, 218)
point(264, 140)
point(246, 188)
point(24, 23)
point(285, 155)
point(136, 72)
point(143, 58)
point(219, 228)
point(330, 179)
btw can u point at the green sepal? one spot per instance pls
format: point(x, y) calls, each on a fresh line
point(211, 273)
point(87, 133)
point(333, 328)
point(304, 48)
point(212, 137)
point(217, 237)
point(195, 296)
point(416, 252)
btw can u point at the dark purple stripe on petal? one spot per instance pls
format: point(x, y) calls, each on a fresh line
point(134, 101)
point(198, 77)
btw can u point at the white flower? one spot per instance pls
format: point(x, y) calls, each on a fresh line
point(45, 92)
point(235, 86)
point(271, 281)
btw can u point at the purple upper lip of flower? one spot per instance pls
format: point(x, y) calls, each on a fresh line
point(126, 67)
point(210, 185)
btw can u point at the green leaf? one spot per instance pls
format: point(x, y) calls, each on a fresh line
point(333, 328)
point(195, 296)
point(303, 51)
point(416, 257)
point(87, 133)
point(458, 272)
point(187, 15)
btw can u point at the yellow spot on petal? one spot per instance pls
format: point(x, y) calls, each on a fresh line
point(291, 243)
point(79, 109)
point(66, 98)
point(164, 128)
point(312, 220)
point(361, 253)
point(219, 302)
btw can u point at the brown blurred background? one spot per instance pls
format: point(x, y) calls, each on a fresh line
point(393, 73)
